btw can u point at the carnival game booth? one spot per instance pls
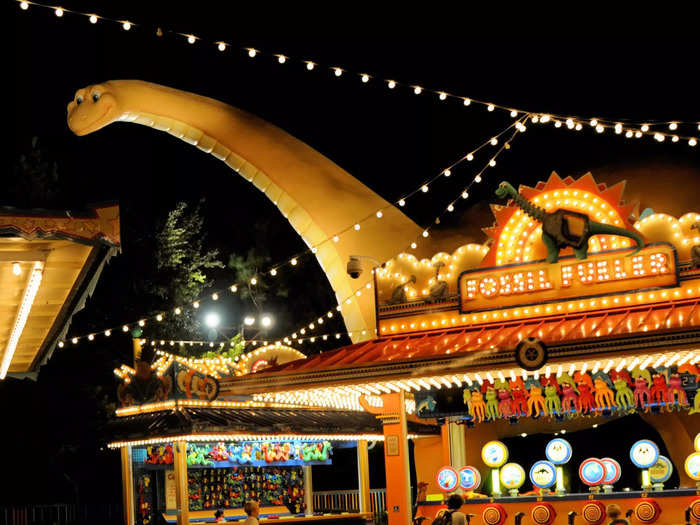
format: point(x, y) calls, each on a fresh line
point(50, 262)
point(186, 452)
point(578, 314)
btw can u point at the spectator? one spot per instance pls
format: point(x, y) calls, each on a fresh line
point(252, 510)
point(615, 513)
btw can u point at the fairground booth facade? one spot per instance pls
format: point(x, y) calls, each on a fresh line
point(504, 363)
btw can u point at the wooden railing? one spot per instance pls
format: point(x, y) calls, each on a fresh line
point(61, 514)
point(348, 500)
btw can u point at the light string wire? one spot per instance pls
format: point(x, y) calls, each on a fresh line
point(642, 127)
point(294, 260)
point(290, 338)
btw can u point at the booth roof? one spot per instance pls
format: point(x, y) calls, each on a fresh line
point(662, 325)
point(188, 420)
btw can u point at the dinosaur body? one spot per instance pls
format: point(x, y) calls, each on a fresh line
point(563, 228)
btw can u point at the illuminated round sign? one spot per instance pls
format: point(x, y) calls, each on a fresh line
point(512, 476)
point(692, 466)
point(494, 454)
point(696, 442)
point(613, 471)
point(661, 471)
point(592, 472)
point(558, 451)
point(644, 453)
point(469, 478)
point(543, 474)
point(447, 479)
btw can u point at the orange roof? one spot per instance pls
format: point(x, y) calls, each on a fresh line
point(604, 328)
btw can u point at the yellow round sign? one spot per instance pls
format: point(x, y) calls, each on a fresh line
point(494, 454)
point(692, 466)
point(696, 442)
point(512, 476)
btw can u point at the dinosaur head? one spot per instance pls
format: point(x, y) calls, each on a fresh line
point(92, 108)
point(504, 189)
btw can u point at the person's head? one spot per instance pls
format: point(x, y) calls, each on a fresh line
point(613, 511)
point(455, 502)
point(251, 508)
point(218, 513)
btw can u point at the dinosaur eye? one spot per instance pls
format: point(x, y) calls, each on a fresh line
point(95, 97)
point(79, 99)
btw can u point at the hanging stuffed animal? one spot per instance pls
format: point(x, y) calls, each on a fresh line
point(491, 404)
point(676, 394)
point(517, 389)
point(603, 395)
point(478, 405)
point(586, 402)
point(551, 398)
point(505, 403)
point(642, 394)
point(624, 398)
point(535, 402)
point(467, 398)
point(659, 390)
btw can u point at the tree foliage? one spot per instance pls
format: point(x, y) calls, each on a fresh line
point(34, 181)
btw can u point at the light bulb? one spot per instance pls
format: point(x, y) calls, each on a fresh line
point(58, 12)
point(692, 142)
point(293, 261)
point(392, 85)
point(60, 343)
point(594, 123)
point(579, 126)
point(629, 134)
point(281, 59)
point(126, 26)
point(443, 96)
point(191, 39)
point(222, 46)
point(424, 188)
point(569, 123)
point(492, 162)
point(24, 5)
point(337, 71)
point(365, 78)
point(599, 128)
point(310, 65)
point(336, 238)
point(417, 90)
point(470, 157)
point(477, 178)
point(468, 101)
point(465, 195)
point(413, 245)
point(93, 19)
point(447, 173)
point(379, 214)
point(402, 202)
point(557, 124)
point(16, 268)
point(450, 208)
point(273, 272)
point(513, 113)
point(252, 52)
point(142, 323)
point(425, 233)
point(253, 281)
point(215, 296)
point(618, 128)
point(490, 107)
point(673, 126)
point(645, 128)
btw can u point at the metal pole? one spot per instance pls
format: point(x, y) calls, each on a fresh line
point(308, 491)
point(363, 475)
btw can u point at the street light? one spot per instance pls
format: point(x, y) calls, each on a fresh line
point(266, 321)
point(212, 319)
point(249, 321)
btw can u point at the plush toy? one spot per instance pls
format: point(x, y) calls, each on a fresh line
point(505, 403)
point(696, 403)
point(676, 394)
point(642, 394)
point(519, 393)
point(659, 390)
point(478, 405)
point(603, 395)
point(467, 398)
point(491, 404)
point(551, 398)
point(586, 402)
point(624, 398)
point(535, 402)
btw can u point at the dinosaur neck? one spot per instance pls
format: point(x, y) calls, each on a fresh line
point(529, 208)
point(317, 197)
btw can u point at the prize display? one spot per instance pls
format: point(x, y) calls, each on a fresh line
point(213, 488)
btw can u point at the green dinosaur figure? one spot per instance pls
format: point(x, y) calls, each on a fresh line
point(563, 228)
point(551, 399)
point(624, 397)
point(491, 404)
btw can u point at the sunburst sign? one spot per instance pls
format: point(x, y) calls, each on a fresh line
point(517, 238)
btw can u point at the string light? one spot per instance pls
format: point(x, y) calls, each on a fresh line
point(221, 46)
point(93, 19)
point(310, 65)
point(126, 26)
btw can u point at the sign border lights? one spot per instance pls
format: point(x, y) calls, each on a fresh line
point(549, 465)
point(669, 470)
point(640, 443)
point(567, 445)
point(509, 468)
point(584, 464)
point(475, 474)
point(615, 466)
point(501, 461)
point(456, 478)
point(693, 458)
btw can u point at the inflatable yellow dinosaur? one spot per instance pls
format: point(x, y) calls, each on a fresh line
point(318, 198)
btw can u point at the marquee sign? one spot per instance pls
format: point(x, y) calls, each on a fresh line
point(539, 282)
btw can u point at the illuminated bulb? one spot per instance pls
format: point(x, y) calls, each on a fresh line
point(391, 84)
point(60, 343)
point(75, 339)
point(142, 323)
point(191, 39)
point(281, 59)
point(618, 128)
point(569, 123)
point(579, 126)
point(513, 113)
point(494, 141)
point(16, 268)
point(637, 134)
point(222, 46)
point(424, 188)
point(125, 328)
point(692, 142)
point(450, 208)
point(215, 296)
point(336, 238)
point(468, 101)
point(659, 137)
point(108, 333)
point(477, 178)
point(379, 214)
point(490, 107)
point(58, 12)
point(254, 281)
point(492, 162)
point(126, 26)
point(357, 226)
point(645, 128)
point(159, 317)
point(414, 245)
point(557, 124)
point(402, 202)
point(293, 262)
point(465, 195)
point(629, 134)
point(310, 65)
point(599, 128)
point(25, 6)
point(365, 78)
point(470, 157)
point(91, 337)
point(425, 233)
point(443, 96)
point(233, 288)
point(417, 90)
point(535, 119)
point(252, 52)
point(337, 71)
point(273, 272)
point(673, 126)
point(594, 123)
point(93, 19)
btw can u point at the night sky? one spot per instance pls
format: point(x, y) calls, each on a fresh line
point(390, 140)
